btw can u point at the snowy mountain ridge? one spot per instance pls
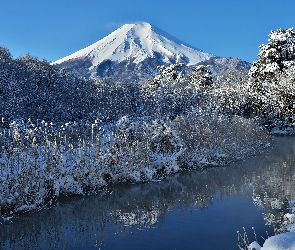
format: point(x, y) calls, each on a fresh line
point(137, 42)
point(135, 51)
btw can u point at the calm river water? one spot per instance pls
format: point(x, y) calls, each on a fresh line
point(189, 210)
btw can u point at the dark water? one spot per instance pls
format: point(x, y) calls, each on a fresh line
point(190, 210)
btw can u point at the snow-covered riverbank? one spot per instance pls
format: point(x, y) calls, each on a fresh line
point(281, 241)
point(40, 163)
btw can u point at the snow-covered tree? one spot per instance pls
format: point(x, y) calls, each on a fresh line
point(173, 72)
point(272, 80)
point(275, 56)
point(230, 94)
point(200, 77)
point(5, 57)
point(32, 88)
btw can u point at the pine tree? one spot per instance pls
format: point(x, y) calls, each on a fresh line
point(274, 57)
point(200, 77)
point(271, 81)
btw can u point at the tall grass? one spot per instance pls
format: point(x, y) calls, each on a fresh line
point(40, 161)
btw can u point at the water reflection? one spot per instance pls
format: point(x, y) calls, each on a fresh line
point(274, 186)
point(121, 210)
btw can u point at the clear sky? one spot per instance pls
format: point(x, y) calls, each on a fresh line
point(52, 29)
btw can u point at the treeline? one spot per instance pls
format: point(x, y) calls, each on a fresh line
point(35, 89)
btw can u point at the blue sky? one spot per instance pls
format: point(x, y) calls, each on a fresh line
point(53, 29)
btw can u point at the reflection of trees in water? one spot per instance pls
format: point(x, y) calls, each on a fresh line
point(274, 188)
point(122, 208)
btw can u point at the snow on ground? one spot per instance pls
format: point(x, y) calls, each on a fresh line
point(283, 241)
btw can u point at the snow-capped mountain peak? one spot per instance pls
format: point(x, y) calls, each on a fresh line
point(137, 42)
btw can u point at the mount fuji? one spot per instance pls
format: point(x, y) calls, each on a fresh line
point(133, 51)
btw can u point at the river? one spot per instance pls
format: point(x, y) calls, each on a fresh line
point(189, 210)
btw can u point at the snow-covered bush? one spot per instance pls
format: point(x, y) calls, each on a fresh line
point(38, 163)
point(216, 139)
point(230, 95)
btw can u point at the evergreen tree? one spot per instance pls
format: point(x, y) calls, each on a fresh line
point(271, 80)
point(200, 77)
point(274, 57)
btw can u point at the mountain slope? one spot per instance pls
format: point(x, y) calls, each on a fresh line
point(134, 51)
point(138, 42)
